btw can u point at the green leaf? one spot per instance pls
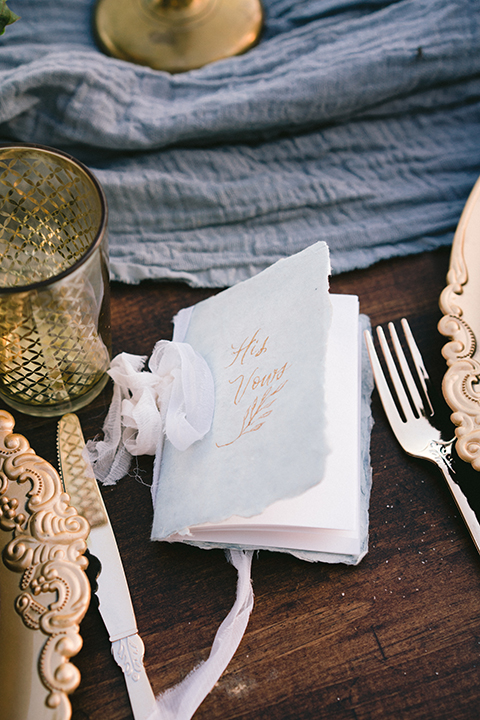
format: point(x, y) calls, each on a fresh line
point(7, 17)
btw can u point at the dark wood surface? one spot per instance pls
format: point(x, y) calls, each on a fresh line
point(398, 636)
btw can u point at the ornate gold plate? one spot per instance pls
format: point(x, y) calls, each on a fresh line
point(460, 303)
point(44, 591)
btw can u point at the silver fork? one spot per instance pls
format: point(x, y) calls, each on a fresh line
point(414, 431)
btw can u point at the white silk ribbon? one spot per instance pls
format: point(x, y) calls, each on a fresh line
point(181, 701)
point(174, 398)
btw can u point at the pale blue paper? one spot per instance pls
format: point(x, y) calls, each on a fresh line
point(283, 453)
point(351, 122)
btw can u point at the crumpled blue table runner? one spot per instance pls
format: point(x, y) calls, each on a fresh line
point(357, 123)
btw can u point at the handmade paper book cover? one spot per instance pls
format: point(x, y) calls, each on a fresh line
point(281, 467)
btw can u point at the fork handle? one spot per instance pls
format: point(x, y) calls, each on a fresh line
point(459, 478)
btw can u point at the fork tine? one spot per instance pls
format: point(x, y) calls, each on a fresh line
point(422, 373)
point(380, 381)
point(395, 377)
point(407, 374)
point(418, 436)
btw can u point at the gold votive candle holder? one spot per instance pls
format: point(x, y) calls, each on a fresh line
point(55, 337)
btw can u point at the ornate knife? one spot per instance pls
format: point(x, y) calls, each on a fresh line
point(115, 604)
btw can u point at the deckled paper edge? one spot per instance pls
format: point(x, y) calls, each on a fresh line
point(181, 323)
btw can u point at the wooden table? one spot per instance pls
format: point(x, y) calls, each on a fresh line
point(398, 636)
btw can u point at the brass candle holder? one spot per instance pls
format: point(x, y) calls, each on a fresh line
point(177, 35)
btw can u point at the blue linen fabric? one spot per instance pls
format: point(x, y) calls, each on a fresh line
point(353, 122)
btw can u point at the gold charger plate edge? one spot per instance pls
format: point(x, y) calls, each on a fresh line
point(460, 305)
point(44, 589)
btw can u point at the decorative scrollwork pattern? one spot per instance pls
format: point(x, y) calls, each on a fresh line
point(128, 653)
point(45, 542)
point(460, 303)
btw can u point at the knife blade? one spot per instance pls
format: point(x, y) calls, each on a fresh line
point(115, 602)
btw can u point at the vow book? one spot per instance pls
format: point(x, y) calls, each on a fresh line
point(285, 465)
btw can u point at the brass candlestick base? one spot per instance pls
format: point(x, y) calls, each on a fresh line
point(177, 35)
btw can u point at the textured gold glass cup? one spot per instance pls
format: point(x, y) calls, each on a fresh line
point(54, 282)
